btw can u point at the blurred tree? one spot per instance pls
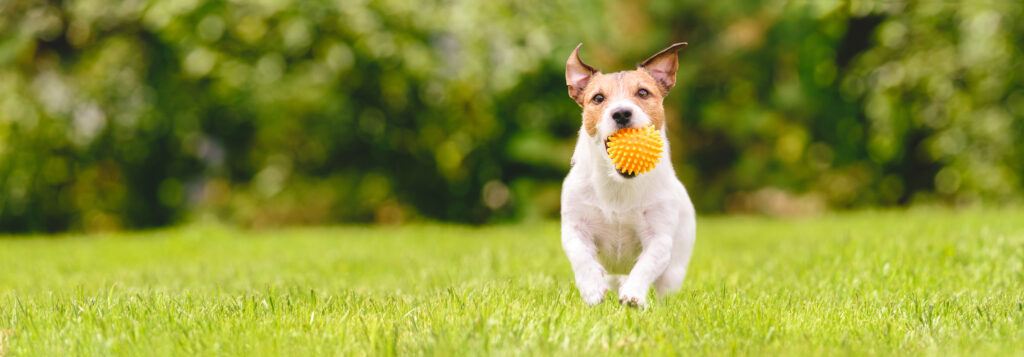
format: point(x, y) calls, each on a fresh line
point(278, 111)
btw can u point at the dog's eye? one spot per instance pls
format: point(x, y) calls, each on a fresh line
point(643, 93)
point(598, 99)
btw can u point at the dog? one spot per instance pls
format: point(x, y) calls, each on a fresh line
point(621, 231)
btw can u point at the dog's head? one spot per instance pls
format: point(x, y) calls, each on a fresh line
point(623, 99)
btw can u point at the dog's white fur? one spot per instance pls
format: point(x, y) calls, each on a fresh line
point(621, 233)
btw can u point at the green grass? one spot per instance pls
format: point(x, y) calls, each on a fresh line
point(917, 282)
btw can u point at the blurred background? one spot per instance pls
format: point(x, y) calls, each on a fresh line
point(139, 113)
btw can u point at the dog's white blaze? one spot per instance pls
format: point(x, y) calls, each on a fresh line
point(608, 126)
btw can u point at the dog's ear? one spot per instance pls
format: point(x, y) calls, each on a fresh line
point(577, 75)
point(663, 65)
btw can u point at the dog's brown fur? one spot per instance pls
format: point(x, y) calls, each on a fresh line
point(620, 85)
point(656, 75)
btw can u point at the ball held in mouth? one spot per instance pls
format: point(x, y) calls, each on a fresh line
point(635, 151)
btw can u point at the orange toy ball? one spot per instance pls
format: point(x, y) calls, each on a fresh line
point(635, 151)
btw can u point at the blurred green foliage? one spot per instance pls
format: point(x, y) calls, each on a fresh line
point(147, 113)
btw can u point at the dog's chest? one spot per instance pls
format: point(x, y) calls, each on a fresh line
point(619, 241)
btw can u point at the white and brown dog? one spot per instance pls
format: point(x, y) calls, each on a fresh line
point(622, 231)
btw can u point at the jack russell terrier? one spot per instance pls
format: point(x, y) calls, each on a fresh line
point(622, 230)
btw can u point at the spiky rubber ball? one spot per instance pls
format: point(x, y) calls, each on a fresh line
point(635, 151)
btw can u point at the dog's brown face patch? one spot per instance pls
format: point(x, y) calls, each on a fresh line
point(637, 86)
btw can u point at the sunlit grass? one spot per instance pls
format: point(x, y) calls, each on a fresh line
point(889, 282)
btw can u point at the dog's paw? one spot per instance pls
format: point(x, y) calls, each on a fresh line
point(635, 301)
point(593, 296)
point(592, 287)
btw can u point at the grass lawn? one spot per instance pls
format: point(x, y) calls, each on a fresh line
point(922, 281)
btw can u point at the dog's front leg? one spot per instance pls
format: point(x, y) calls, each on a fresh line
point(652, 262)
point(579, 247)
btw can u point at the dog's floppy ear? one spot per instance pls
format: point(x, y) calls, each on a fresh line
point(577, 75)
point(663, 65)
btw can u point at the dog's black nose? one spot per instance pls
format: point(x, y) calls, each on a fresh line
point(622, 116)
